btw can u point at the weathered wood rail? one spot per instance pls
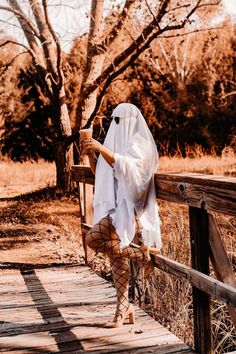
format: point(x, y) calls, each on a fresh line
point(204, 195)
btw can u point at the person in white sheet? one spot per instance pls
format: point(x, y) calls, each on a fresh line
point(124, 192)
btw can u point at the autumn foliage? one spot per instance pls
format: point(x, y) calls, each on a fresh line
point(184, 85)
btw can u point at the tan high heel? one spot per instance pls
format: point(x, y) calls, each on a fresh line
point(120, 317)
point(148, 263)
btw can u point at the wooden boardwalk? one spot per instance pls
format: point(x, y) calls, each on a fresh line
point(63, 310)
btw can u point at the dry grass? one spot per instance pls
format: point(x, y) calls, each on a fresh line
point(50, 226)
point(170, 297)
point(212, 165)
point(20, 178)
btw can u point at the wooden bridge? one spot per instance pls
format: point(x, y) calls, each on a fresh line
point(63, 309)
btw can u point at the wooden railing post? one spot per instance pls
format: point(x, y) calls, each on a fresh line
point(220, 261)
point(199, 236)
point(85, 197)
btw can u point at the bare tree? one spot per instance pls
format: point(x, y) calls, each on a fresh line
point(162, 17)
point(113, 44)
point(45, 50)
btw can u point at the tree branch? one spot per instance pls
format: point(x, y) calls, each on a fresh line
point(6, 66)
point(214, 3)
point(45, 38)
point(132, 48)
point(191, 32)
point(229, 94)
point(151, 12)
point(16, 10)
point(30, 51)
point(27, 27)
point(56, 42)
point(9, 41)
point(134, 57)
point(119, 25)
point(140, 45)
point(13, 24)
point(30, 35)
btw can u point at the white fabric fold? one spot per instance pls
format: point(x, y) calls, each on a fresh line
point(128, 187)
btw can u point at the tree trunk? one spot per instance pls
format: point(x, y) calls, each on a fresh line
point(87, 103)
point(46, 53)
point(64, 161)
point(94, 64)
point(63, 154)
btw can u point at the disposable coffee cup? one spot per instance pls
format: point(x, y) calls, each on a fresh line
point(85, 134)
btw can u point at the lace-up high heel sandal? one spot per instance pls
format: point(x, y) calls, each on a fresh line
point(120, 317)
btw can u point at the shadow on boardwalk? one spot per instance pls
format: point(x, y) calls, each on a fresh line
point(63, 310)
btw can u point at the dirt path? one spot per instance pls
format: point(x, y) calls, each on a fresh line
point(40, 228)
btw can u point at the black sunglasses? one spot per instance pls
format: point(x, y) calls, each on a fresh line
point(117, 119)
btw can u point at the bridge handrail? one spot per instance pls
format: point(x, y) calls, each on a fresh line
point(212, 193)
point(204, 194)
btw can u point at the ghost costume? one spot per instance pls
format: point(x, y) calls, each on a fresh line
point(123, 192)
point(128, 187)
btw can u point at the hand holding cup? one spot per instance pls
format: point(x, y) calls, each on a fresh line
point(89, 145)
point(85, 136)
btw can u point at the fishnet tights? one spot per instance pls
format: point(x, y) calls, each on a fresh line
point(121, 275)
point(103, 238)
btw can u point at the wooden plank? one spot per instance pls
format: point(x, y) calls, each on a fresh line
point(220, 261)
point(218, 182)
point(46, 326)
point(89, 254)
point(101, 341)
point(211, 286)
point(219, 196)
point(199, 238)
point(170, 349)
point(24, 298)
point(82, 174)
point(212, 193)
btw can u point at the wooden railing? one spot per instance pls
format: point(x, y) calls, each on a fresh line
point(204, 195)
